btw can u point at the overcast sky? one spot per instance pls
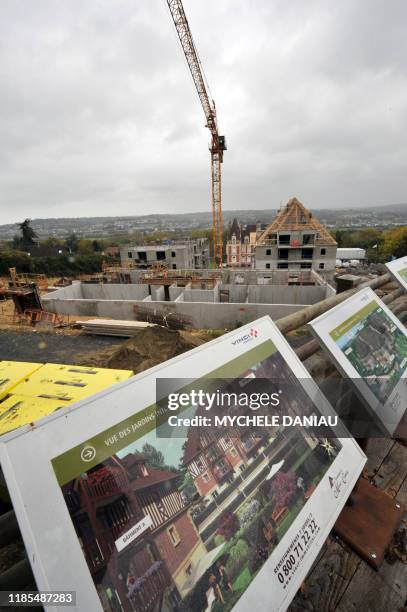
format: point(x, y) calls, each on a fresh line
point(99, 115)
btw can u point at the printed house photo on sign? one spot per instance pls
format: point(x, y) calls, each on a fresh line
point(369, 345)
point(206, 519)
point(398, 268)
point(187, 524)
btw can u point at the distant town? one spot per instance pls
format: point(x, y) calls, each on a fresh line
point(99, 227)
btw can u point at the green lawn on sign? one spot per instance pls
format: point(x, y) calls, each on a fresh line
point(243, 580)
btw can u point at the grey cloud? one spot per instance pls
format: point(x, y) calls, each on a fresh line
point(98, 114)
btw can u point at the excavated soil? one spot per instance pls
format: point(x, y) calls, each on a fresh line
point(150, 347)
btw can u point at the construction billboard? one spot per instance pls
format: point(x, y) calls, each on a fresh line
point(159, 522)
point(369, 346)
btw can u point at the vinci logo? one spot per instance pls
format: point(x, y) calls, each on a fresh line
point(253, 333)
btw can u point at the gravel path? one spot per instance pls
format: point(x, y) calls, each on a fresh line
point(52, 348)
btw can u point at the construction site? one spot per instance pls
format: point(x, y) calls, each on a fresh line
point(35, 390)
point(200, 299)
point(64, 340)
point(189, 530)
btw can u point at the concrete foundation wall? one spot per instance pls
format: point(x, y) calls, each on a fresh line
point(199, 295)
point(284, 294)
point(114, 292)
point(73, 291)
point(196, 314)
point(198, 307)
point(175, 292)
point(237, 293)
point(157, 293)
point(261, 294)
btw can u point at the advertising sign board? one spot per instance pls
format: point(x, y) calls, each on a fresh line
point(398, 267)
point(369, 345)
point(132, 520)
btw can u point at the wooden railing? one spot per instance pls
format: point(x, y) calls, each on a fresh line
point(111, 485)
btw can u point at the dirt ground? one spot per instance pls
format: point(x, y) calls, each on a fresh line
point(148, 348)
point(29, 345)
point(151, 346)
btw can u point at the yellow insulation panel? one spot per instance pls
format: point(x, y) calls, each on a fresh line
point(31, 391)
point(13, 372)
point(69, 383)
point(18, 410)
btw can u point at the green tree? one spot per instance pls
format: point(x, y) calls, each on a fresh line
point(17, 243)
point(28, 235)
point(72, 243)
point(84, 246)
point(153, 456)
point(187, 481)
point(97, 246)
point(53, 244)
point(15, 259)
point(366, 238)
point(338, 235)
point(395, 243)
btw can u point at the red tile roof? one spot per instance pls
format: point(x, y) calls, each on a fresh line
point(132, 458)
point(154, 477)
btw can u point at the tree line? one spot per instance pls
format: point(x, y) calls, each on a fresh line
point(52, 256)
point(381, 245)
point(76, 255)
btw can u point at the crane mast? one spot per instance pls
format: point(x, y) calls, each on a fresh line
point(218, 143)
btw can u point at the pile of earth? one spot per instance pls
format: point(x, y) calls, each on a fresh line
point(148, 348)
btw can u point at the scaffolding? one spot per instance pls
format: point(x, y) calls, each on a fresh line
point(160, 275)
point(24, 291)
point(23, 279)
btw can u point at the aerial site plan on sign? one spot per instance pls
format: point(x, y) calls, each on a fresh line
point(398, 268)
point(370, 346)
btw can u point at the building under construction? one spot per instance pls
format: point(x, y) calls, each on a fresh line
point(173, 255)
point(204, 299)
point(296, 240)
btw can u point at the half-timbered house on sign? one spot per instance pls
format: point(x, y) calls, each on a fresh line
point(214, 460)
point(136, 533)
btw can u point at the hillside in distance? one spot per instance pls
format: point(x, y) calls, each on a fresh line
point(380, 216)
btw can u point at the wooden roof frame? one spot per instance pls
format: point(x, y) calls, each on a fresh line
point(294, 217)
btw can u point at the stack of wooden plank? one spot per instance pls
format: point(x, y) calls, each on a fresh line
point(112, 327)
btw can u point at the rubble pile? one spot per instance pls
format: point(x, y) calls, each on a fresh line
point(148, 348)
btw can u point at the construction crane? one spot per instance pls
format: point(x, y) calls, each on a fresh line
point(218, 143)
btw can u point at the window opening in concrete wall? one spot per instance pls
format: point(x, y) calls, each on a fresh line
point(284, 239)
point(306, 253)
point(283, 253)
